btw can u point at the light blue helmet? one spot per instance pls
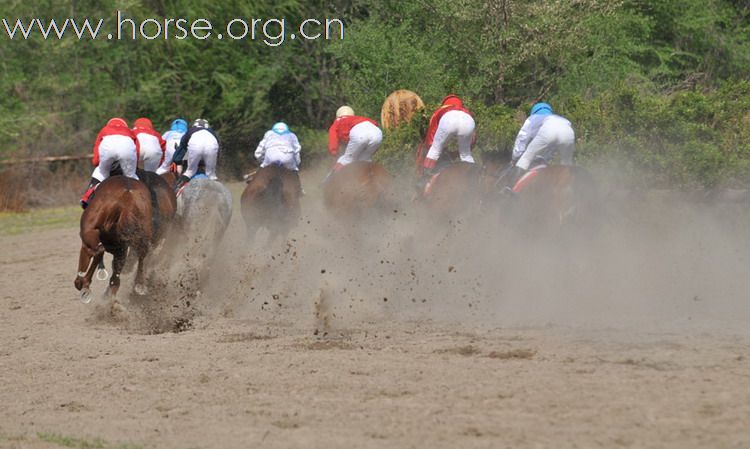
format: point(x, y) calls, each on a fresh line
point(541, 109)
point(280, 128)
point(179, 125)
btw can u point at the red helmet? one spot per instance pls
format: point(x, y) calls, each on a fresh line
point(143, 123)
point(117, 122)
point(452, 100)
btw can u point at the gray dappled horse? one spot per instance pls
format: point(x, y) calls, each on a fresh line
point(204, 209)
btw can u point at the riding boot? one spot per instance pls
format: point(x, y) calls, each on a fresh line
point(335, 168)
point(427, 175)
point(512, 178)
point(86, 198)
point(180, 182)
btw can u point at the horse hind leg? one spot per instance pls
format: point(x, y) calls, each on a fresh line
point(140, 287)
point(118, 262)
point(83, 278)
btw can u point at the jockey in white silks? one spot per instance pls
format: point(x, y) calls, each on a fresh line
point(279, 147)
point(172, 138)
point(543, 135)
point(198, 144)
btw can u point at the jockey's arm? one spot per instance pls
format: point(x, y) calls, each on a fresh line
point(95, 158)
point(260, 151)
point(333, 140)
point(137, 149)
point(522, 140)
point(179, 154)
point(297, 150)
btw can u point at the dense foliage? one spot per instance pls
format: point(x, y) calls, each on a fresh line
point(662, 87)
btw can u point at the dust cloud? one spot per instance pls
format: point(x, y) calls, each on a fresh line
point(654, 260)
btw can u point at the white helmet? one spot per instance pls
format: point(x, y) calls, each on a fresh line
point(343, 111)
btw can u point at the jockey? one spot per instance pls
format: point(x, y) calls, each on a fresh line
point(279, 147)
point(360, 134)
point(115, 143)
point(151, 144)
point(542, 135)
point(451, 119)
point(201, 144)
point(172, 138)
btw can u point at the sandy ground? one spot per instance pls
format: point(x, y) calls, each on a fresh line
point(314, 345)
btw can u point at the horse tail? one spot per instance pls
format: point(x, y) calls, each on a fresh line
point(275, 187)
point(378, 181)
point(155, 212)
point(128, 214)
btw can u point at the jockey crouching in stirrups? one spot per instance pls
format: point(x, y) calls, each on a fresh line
point(114, 143)
point(452, 119)
point(151, 144)
point(360, 134)
point(199, 144)
point(279, 147)
point(172, 138)
point(542, 135)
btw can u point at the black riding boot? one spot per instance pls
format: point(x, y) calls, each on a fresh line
point(427, 175)
point(512, 178)
point(180, 182)
point(89, 193)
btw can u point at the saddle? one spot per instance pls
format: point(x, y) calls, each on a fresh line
point(431, 182)
point(528, 177)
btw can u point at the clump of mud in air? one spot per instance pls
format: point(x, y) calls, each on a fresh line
point(323, 311)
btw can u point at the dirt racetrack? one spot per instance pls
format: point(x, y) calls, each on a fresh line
point(635, 337)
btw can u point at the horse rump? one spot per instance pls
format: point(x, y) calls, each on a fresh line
point(358, 188)
point(271, 200)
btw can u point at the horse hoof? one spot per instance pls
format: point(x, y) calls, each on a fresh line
point(86, 295)
point(140, 290)
point(102, 274)
point(110, 293)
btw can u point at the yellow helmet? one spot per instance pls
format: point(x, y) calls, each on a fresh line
point(344, 111)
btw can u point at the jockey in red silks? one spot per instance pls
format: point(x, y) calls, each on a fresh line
point(451, 119)
point(151, 144)
point(360, 134)
point(115, 143)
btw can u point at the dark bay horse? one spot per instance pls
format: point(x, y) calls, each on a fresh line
point(357, 188)
point(118, 218)
point(271, 200)
point(551, 196)
point(558, 195)
point(170, 178)
point(454, 190)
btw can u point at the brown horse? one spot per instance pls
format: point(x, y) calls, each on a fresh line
point(271, 200)
point(118, 218)
point(557, 195)
point(454, 190)
point(357, 188)
point(170, 178)
point(552, 196)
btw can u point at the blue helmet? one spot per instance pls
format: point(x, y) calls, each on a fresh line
point(179, 125)
point(541, 109)
point(280, 128)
